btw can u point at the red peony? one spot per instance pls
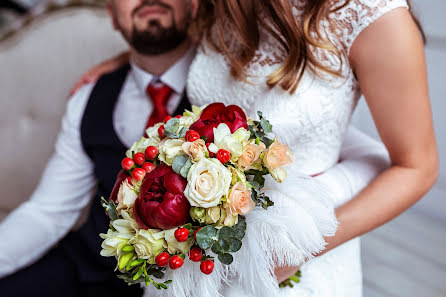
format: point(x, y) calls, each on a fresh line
point(161, 203)
point(217, 113)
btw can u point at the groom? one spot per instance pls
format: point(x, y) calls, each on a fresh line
point(38, 257)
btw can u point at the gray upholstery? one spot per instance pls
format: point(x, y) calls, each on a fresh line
point(38, 67)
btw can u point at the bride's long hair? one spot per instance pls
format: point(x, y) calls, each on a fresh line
point(245, 17)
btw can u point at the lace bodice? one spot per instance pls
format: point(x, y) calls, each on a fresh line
point(314, 119)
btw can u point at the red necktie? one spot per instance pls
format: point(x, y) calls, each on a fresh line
point(159, 93)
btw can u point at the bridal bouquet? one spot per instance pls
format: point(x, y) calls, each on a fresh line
point(185, 190)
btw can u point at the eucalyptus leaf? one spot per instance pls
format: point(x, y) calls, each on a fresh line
point(178, 163)
point(239, 233)
point(225, 258)
point(226, 232)
point(110, 208)
point(172, 126)
point(266, 126)
point(185, 170)
point(235, 244)
point(206, 237)
point(183, 132)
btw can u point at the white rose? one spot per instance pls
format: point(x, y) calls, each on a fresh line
point(208, 181)
point(279, 174)
point(126, 195)
point(148, 244)
point(170, 149)
point(233, 143)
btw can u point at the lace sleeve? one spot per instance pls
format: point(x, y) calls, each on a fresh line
point(351, 20)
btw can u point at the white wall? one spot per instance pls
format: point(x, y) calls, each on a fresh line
point(431, 14)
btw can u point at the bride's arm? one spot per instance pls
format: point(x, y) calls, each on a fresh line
point(388, 59)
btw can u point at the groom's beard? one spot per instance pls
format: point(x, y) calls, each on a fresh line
point(156, 39)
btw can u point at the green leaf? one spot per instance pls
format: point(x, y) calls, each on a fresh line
point(260, 114)
point(239, 233)
point(172, 126)
point(267, 141)
point(241, 225)
point(235, 244)
point(266, 126)
point(110, 208)
point(226, 232)
point(139, 273)
point(163, 286)
point(206, 237)
point(183, 132)
point(185, 170)
point(178, 163)
point(220, 246)
point(157, 286)
point(225, 258)
point(168, 281)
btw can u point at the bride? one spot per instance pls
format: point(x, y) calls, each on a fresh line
point(305, 64)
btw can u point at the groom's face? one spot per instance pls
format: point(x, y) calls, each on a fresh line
point(153, 27)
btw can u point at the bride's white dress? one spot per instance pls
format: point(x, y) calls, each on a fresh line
point(312, 122)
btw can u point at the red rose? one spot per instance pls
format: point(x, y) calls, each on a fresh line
point(217, 113)
point(161, 203)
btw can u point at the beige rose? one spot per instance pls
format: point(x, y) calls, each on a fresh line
point(250, 155)
point(215, 214)
point(277, 155)
point(126, 195)
point(239, 199)
point(169, 149)
point(195, 150)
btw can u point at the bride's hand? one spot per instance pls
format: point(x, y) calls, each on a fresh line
point(283, 273)
point(97, 71)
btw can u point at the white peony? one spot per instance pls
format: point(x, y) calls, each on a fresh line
point(233, 143)
point(170, 149)
point(208, 181)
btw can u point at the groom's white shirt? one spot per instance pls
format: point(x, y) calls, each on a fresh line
point(68, 182)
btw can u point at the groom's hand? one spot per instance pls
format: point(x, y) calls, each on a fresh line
point(283, 273)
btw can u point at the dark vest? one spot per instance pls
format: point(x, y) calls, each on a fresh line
point(103, 146)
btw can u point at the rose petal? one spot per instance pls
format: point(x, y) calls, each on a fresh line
point(122, 175)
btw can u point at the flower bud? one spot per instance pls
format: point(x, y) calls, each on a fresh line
point(197, 214)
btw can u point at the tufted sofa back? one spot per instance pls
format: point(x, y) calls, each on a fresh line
point(38, 66)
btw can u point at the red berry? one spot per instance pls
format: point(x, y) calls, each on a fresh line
point(181, 234)
point(178, 116)
point(176, 262)
point(223, 156)
point(211, 154)
point(192, 135)
point(166, 119)
point(161, 131)
point(151, 152)
point(139, 158)
point(196, 254)
point(162, 259)
point(195, 233)
point(207, 266)
point(127, 163)
point(138, 174)
point(148, 167)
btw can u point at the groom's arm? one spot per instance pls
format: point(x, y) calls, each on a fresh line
point(65, 189)
point(362, 159)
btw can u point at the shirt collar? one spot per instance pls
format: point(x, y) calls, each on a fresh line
point(175, 77)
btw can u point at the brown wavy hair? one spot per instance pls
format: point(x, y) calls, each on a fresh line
point(244, 19)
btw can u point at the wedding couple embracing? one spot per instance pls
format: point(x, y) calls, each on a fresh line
point(304, 64)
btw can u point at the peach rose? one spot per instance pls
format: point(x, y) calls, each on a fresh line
point(250, 155)
point(277, 155)
point(195, 150)
point(239, 199)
